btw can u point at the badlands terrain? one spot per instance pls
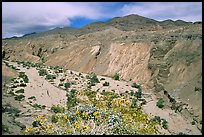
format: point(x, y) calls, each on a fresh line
point(129, 75)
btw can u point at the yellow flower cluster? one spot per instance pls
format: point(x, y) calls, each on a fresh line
point(85, 128)
point(27, 130)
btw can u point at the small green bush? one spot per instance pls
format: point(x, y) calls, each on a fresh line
point(32, 97)
point(94, 79)
point(134, 85)
point(160, 103)
point(164, 124)
point(67, 85)
point(50, 76)
point(106, 84)
point(57, 109)
point(54, 119)
point(19, 97)
point(42, 72)
point(20, 91)
point(116, 76)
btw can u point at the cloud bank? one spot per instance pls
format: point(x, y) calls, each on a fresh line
point(19, 18)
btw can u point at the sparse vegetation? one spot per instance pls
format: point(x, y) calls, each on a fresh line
point(42, 72)
point(19, 97)
point(116, 76)
point(160, 103)
point(106, 84)
point(20, 91)
point(24, 77)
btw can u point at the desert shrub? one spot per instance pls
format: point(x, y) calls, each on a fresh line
point(164, 124)
point(19, 97)
point(5, 129)
point(50, 76)
point(54, 119)
point(134, 85)
point(138, 94)
point(160, 103)
point(94, 79)
point(57, 109)
point(106, 84)
point(38, 106)
point(24, 77)
point(42, 72)
point(20, 91)
point(134, 103)
point(102, 79)
point(67, 85)
point(32, 97)
point(116, 76)
point(22, 85)
point(62, 79)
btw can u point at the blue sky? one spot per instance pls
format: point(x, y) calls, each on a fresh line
point(19, 18)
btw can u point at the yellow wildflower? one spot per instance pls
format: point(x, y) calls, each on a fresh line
point(46, 118)
point(85, 128)
point(96, 117)
point(77, 126)
point(68, 131)
point(101, 120)
point(39, 117)
point(134, 115)
point(76, 123)
point(41, 122)
point(65, 117)
point(27, 130)
point(95, 113)
point(77, 112)
point(49, 126)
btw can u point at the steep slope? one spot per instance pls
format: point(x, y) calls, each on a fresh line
point(163, 56)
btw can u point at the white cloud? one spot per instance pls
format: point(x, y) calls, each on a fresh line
point(188, 11)
point(22, 17)
point(19, 18)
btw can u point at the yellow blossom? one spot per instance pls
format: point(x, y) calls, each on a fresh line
point(77, 126)
point(95, 113)
point(49, 126)
point(96, 117)
point(76, 123)
point(77, 112)
point(101, 120)
point(39, 117)
point(85, 128)
point(65, 117)
point(46, 118)
point(41, 122)
point(134, 115)
point(27, 130)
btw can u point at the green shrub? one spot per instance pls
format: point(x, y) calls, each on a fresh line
point(62, 79)
point(19, 97)
point(134, 103)
point(116, 76)
point(20, 91)
point(106, 84)
point(57, 109)
point(94, 79)
point(138, 94)
point(42, 72)
point(50, 76)
point(22, 85)
point(102, 79)
point(67, 85)
point(54, 119)
point(160, 103)
point(134, 85)
point(32, 97)
point(164, 124)
point(24, 77)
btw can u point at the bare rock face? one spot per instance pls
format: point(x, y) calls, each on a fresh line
point(162, 56)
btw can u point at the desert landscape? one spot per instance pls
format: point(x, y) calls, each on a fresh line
point(129, 75)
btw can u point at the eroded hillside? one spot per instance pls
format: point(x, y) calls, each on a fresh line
point(165, 57)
